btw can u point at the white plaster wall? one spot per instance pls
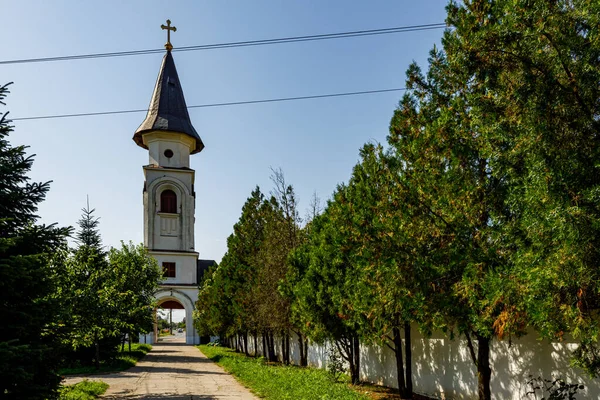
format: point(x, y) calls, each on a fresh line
point(442, 368)
point(185, 267)
point(181, 183)
point(180, 144)
point(184, 177)
point(147, 338)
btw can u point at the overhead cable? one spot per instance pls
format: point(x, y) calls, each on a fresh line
point(233, 103)
point(292, 39)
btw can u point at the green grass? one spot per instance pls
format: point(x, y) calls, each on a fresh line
point(124, 360)
point(84, 390)
point(278, 381)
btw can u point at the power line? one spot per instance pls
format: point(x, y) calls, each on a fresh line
point(292, 39)
point(233, 103)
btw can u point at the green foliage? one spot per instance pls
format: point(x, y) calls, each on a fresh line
point(106, 294)
point(481, 218)
point(335, 364)
point(84, 390)
point(137, 277)
point(89, 285)
point(28, 284)
point(242, 295)
point(537, 107)
point(324, 279)
point(279, 381)
point(89, 234)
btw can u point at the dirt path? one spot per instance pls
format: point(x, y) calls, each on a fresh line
point(174, 371)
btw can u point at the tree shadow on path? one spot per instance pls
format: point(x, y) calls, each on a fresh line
point(165, 396)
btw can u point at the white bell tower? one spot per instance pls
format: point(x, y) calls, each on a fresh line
point(169, 197)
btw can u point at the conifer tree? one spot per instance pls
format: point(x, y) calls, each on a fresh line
point(498, 140)
point(28, 352)
point(88, 235)
point(324, 278)
point(93, 287)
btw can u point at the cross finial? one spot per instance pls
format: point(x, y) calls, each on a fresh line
point(169, 28)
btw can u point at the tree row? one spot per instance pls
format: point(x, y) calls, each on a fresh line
point(480, 216)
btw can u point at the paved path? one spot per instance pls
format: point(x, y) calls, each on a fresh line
point(172, 371)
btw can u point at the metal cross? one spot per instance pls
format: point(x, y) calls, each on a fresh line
point(169, 28)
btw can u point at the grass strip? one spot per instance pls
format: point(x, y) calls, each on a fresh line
point(275, 381)
point(123, 361)
point(84, 390)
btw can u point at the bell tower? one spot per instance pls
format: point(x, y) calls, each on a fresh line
point(169, 196)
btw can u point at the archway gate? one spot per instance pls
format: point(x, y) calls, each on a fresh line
point(176, 298)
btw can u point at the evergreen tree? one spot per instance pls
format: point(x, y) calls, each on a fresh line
point(29, 354)
point(324, 277)
point(88, 235)
point(498, 141)
point(534, 96)
point(92, 283)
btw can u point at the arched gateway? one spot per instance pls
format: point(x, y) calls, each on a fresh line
point(169, 196)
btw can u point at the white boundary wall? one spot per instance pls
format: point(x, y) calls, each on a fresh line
point(442, 368)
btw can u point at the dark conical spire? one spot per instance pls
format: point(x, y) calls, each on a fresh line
point(167, 110)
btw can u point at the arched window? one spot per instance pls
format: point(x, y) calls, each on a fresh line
point(168, 202)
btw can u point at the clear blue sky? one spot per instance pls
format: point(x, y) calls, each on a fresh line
point(315, 142)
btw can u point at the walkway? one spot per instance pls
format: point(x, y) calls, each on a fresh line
point(172, 371)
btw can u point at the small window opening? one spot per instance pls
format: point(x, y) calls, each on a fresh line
point(168, 269)
point(168, 153)
point(168, 202)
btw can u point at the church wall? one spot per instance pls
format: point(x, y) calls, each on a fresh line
point(158, 142)
point(442, 368)
point(185, 267)
point(163, 230)
point(184, 178)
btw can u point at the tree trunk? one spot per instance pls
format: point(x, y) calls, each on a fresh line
point(268, 348)
point(300, 348)
point(246, 344)
point(255, 337)
point(408, 354)
point(285, 348)
point(399, 362)
point(304, 359)
point(484, 371)
point(97, 345)
point(355, 372)
point(264, 341)
point(129, 342)
point(123, 343)
point(350, 350)
point(271, 343)
point(303, 347)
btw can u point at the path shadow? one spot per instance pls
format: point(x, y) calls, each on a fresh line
point(169, 358)
point(162, 397)
point(178, 370)
point(163, 351)
point(173, 344)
